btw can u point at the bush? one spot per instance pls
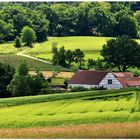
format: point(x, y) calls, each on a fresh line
point(77, 89)
point(136, 74)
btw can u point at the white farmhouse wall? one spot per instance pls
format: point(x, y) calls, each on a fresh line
point(83, 85)
point(115, 83)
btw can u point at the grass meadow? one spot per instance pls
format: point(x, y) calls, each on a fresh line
point(90, 45)
point(69, 109)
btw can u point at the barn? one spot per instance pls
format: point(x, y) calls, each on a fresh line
point(108, 80)
point(91, 79)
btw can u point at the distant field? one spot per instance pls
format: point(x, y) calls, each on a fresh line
point(90, 45)
point(68, 109)
point(14, 60)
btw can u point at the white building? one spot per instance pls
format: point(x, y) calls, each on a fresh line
point(91, 79)
point(109, 80)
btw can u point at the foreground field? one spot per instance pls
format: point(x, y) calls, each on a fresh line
point(69, 109)
point(110, 130)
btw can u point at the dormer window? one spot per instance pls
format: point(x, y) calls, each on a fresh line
point(109, 81)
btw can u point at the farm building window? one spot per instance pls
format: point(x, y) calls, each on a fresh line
point(109, 81)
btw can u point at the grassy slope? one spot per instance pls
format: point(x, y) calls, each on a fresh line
point(14, 60)
point(90, 45)
point(8, 55)
point(81, 108)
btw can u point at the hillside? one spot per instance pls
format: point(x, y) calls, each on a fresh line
point(91, 45)
point(80, 108)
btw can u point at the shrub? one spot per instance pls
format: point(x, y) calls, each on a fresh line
point(77, 89)
point(136, 74)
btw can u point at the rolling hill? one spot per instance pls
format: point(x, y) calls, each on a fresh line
point(90, 45)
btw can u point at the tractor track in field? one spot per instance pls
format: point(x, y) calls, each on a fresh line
point(31, 57)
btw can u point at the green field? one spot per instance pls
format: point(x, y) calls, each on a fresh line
point(69, 109)
point(90, 45)
point(14, 61)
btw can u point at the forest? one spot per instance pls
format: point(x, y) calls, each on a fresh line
point(69, 19)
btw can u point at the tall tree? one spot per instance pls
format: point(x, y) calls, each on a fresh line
point(69, 57)
point(62, 56)
point(122, 52)
point(79, 57)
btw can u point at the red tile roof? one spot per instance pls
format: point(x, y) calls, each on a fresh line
point(88, 77)
point(123, 74)
point(127, 79)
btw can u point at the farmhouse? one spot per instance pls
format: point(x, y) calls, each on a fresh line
point(109, 80)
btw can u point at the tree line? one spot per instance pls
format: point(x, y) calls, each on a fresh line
point(68, 19)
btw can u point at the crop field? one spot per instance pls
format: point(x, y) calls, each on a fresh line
point(69, 109)
point(106, 130)
point(92, 114)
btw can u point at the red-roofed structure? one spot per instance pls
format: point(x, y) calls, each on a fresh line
point(109, 80)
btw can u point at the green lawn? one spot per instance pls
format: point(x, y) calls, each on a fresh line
point(69, 108)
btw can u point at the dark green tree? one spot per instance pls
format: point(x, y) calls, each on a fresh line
point(55, 57)
point(69, 57)
point(6, 75)
point(101, 21)
point(91, 63)
point(79, 57)
point(62, 56)
point(122, 52)
point(17, 42)
point(5, 31)
point(126, 24)
point(28, 36)
point(23, 84)
point(19, 86)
